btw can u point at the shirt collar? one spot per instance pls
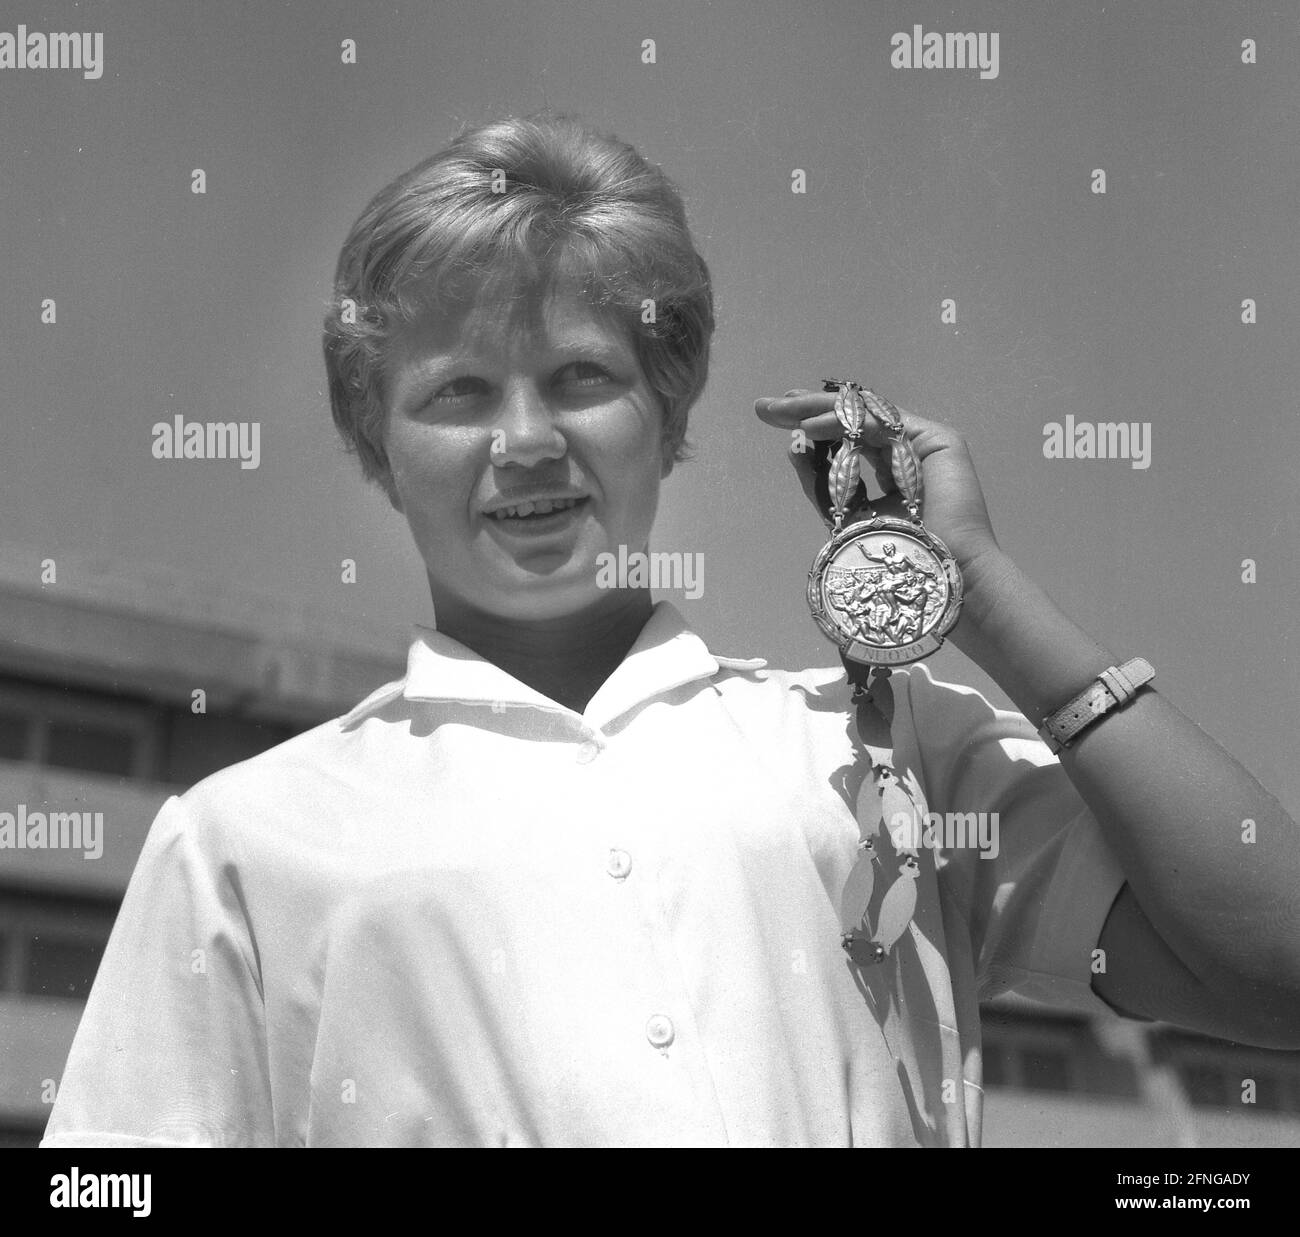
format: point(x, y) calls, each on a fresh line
point(665, 655)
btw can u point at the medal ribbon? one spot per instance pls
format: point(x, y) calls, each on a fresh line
point(899, 959)
point(889, 825)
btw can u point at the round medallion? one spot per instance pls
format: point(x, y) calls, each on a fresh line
point(886, 591)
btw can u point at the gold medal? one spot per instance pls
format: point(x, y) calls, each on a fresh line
point(885, 590)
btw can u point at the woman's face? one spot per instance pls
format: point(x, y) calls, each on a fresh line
point(478, 423)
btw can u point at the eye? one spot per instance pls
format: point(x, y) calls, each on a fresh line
point(586, 373)
point(457, 388)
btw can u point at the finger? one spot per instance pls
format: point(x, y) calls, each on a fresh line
point(914, 425)
point(813, 412)
point(827, 425)
point(799, 405)
point(794, 406)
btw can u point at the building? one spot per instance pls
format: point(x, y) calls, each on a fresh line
point(98, 675)
point(99, 670)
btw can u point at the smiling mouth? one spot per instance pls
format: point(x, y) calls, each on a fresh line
point(540, 515)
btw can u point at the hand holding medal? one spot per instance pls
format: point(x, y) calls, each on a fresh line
point(885, 589)
point(906, 453)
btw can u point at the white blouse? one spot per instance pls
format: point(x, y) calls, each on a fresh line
point(464, 914)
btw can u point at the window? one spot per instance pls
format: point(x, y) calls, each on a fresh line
point(1205, 1085)
point(61, 965)
point(15, 735)
point(1044, 1068)
point(1028, 1052)
point(18, 1135)
point(95, 749)
point(65, 729)
point(1215, 1074)
point(51, 944)
point(195, 745)
point(996, 1069)
point(127, 737)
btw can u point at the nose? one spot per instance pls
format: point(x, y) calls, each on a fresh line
point(526, 433)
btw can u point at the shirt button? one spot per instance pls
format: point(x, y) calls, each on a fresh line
point(659, 1030)
point(587, 752)
point(620, 864)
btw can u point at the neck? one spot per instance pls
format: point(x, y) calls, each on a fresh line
point(566, 658)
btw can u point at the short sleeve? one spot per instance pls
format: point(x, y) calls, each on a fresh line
point(1037, 904)
point(171, 1048)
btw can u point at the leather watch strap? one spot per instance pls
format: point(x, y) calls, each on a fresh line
point(1110, 690)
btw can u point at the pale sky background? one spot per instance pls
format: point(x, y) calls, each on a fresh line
point(921, 185)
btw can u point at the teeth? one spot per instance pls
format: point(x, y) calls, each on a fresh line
point(543, 506)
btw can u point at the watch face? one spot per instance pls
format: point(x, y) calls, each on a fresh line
point(886, 591)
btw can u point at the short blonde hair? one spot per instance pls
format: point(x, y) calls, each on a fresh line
point(508, 210)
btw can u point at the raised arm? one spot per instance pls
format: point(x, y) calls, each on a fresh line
point(1206, 932)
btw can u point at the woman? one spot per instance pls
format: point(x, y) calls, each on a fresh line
point(575, 879)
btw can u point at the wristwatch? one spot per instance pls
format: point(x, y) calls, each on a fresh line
point(1110, 690)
